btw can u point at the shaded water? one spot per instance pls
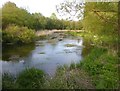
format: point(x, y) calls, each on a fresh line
point(46, 55)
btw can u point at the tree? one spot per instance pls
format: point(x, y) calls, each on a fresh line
point(99, 17)
point(11, 14)
point(39, 21)
point(53, 16)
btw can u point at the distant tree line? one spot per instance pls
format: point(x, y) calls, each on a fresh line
point(19, 26)
point(11, 14)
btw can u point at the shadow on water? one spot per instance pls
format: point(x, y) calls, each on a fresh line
point(87, 49)
point(16, 51)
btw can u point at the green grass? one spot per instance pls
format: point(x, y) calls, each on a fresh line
point(27, 79)
point(8, 81)
point(102, 67)
point(100, 59)
point(31, 78)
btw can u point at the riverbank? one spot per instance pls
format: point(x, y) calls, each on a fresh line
point(98, 69)
point(48, 32)
point(100, 59)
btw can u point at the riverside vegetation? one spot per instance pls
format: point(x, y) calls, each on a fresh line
point(97, 70)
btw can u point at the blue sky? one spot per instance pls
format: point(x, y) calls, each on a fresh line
point(46, 7)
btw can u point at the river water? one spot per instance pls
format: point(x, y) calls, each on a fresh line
point(46, 55)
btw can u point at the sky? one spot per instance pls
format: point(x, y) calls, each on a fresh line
point(45, 7)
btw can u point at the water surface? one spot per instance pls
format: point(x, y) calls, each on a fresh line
point(46, 55)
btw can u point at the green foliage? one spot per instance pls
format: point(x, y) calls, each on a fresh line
point(100, 59)
point(16, 34)
point(31, 78)
point(53, 16)
point(11, 14)
point(8, 81)
point(39, 21)
point(28, 79)
point(101, 18)
point(102, 67)
point(73, 65)
point(100, 39)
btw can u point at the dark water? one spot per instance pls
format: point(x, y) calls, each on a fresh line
point(46, 55)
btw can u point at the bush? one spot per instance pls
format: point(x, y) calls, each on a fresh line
point(31, 78)
point(16, 34)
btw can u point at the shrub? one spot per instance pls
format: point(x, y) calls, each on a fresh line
point(16, 34)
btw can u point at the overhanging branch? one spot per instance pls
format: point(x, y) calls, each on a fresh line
point(103, 18)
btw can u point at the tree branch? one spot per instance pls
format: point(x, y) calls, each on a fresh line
point(103, 18)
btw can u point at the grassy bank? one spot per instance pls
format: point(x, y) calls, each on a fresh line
point(27, 79)
point(98, 70)
point(102, 67)
point(100, 59)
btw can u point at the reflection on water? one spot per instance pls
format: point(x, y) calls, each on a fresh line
point(12, 52)
point(43, 55)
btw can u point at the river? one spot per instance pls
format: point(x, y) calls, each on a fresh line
point(46, 55)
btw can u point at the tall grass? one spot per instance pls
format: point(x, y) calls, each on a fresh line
point(28, 79)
